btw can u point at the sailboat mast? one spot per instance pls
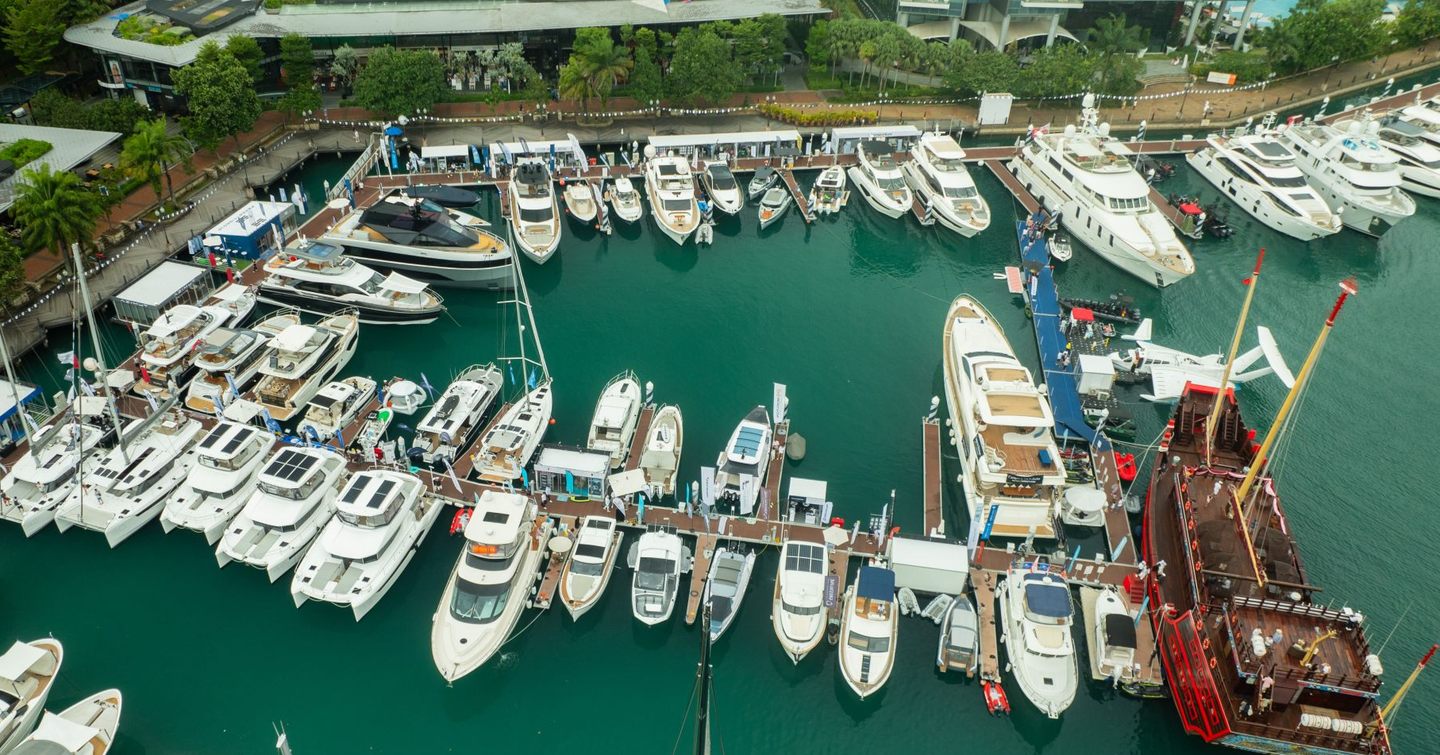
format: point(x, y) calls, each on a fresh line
point(99, 352)
point(1347, 288)
point(1394, 704)
point(702, 679)
point(523, 297)
point(1250, 284)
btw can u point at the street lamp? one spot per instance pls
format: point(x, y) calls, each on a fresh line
point(1334, 63)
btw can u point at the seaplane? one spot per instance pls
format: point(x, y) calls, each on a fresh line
point(1170, 369)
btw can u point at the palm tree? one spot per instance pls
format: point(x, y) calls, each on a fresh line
point(149, 153)
point(867, 52)
point(604, 66)
point(54, 210)
point(1111, 38)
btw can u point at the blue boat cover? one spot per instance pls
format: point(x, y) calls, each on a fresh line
point(876, 583)
point(1047, 595)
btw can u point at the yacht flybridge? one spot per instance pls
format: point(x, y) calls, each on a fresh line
point(1258, 172)
point(671, 189)
point(293, 499)
point(229, 360)
point(534, 209)
point(227, 462)
point(303, 358)
point(869, 629)
point(741, 467)
point(1001, 425)
point(1419, 156)
point(167, 348)
point(1037, 614)
point(422, 239)
point(457, 415)
point(613, 425)
point(880, 179)
point(797, 609)
point(939, 177)
point(380, 520)
point(316, 277)
point(1352, 171)
point(1086, 175)
point(660, 458)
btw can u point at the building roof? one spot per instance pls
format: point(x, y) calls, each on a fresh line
point(20, 91)
point(253, 217)
point(162, 283)
point(69, 147)
point(9, 392)
point(438, 17)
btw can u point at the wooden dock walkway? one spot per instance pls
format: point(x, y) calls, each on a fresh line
point(1012, 183)
point(839, 568)
point(983, 584)
point(504, 188)
point(705, 545)
point(771, 507)
point(637, 443)
point(553, 569)
point(918, 208)
point(1180, 220)
point(1117, 523)
point(802, 202)
point(933, 479)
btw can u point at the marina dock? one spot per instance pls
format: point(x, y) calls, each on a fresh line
point(934, 481)
point(699, 572)
point(1017, 189)
point(983, 584)
point(802, 202)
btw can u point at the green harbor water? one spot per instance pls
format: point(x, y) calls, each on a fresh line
point(848, 313)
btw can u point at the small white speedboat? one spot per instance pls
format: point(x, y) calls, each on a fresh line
point(869, 629)
point(1060, 247)
point(85, 728)
point(742, 465)
point(960, 638)
point(1113, 654)
point(663, 443)
point(626, 200)
point(27, 674)
point(722, 188)
point(765, 177)
point(580, 201)
point(774, 205)
point(588, 570)
point(798, 608)
point(828, 194)
point(725, 587)
point(334, 407)
point(616, 413)
point(657, 558)
point(227, 462)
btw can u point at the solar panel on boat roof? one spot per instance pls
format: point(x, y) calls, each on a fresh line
point(748, 441)
point(290, 465)
point(495, 517)
point(381, 493)
point(353, 490)
point(216, 433)
point(238, 438)
point(805, 557)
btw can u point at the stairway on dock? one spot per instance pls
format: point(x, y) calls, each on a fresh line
point(802, 202)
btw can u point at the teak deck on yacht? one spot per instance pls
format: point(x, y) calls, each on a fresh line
point(1014, 404)
point(1020, 458)
point(705, 545)
point(934, 520)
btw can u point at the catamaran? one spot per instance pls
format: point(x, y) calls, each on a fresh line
point(227, 463)
point(294, 498)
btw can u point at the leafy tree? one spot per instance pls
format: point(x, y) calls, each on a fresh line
point(987, 71)
point(1418, 21)
point(396, 82)
point(1319, 32)
point(149, 153)
point(52, 108)
point(12, 270)
point(297, 61)
point(702, 69)
point(596, 64)
point(54, 210)
point(247, 51)
point(1114, 41)
point(1058, 70)
point(345, 64)
point(645, 82)
point(120, 114)
point(221, 96)
point(1248, 67)
point(32, 31)
point(817, 43)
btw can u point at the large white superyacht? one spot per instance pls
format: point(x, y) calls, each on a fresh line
point(1258, 172)
point(1352, 171)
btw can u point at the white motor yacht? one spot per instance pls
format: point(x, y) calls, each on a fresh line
point(534, 210)
point(725, 587)
point(303, 358)
point(722, 188)
point(881, 180)
point(660, 458)
point(166, 358)
point(426, 241)
point(1111, 637)
point(741, 467)
point(671, 189)
point(85, 728)
point(960, 638)
point(486, 593)
point(1352, 171)
point(939, 176)
point(316, 277)
point(27, 674)
point(507, 446)
point(1086, 175)
point(294, 497)
point(774, 205)
point(869, 629)
point(380, 520)
point(236, 298)
point(1419, 156)
point(657, 560)
point(457, 415)
point(129, 486)
point(229, 360)
point(1258, 172)
point(49, 471)
point(828, 194)
point(626, 200)
point(1036, 615)
point(227, 463)
point(764, 177)
point(580, 200)
point(1001, 426)
point(613, 425)
point(798, 608)
point(334, 407)
point(587, 571)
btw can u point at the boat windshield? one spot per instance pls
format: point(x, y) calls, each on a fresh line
point(1286, 181)
point(721, 179)
point(960, 192)
point(890, 183)
point(232, 463)
point(535, 214)
point(479, 604)
point(587, 568)
point(294, 493)
point(676, 205)
point(652, 573)
point(795, 610)
point(867, 644)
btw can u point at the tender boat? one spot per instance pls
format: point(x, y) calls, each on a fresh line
point(869, 629)
point(798, 607)
point(423, 240)
point(580, 200)
point(1258, 172)
point(774, 205)
point(828, 194)
point(722, 188)
point(534, 210)
point(303, 358)
point(229, 360)
point(485, 595)
point(741, 467)
point(334, 407)
point(128, 488)
point(587, 571)
point(294, 497)
point(1112, 635)
point(626, 200)
point(663, 443)
point(765, 177)
point(457, 415)
point(85, 728)
point(1353, 172)
point(167, 348)
point(315, 277)
point(227, 463)
point(657, 559)
point(616, 413)
point(881, 180)
point(1036, 615)
point(507, 446)
point(380, 520)
point(27, 674)
point(960, 638)
point(725, 587)
point(672, 197)
point(1060, 248)
point(939, 176)
point(452, 197)
point(1419, 157)
point(1002, 426)
point(1086, 175)
point(50, 470)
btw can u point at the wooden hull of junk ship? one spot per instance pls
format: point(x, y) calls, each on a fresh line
point(1251, 662)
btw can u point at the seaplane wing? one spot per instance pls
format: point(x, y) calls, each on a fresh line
point(1273, 356)
point(1142, 333)
point(1168, 382)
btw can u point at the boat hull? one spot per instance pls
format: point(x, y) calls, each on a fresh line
point(481, 274)
point(1252, 200)
point(284, 297)
point(875, 199)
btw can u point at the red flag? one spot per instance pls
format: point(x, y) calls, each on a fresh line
point(230, 274)
point(212, 259)
point(144, 374)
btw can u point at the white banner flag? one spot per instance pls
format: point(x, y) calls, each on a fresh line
point(707, 487)
point(747, 494)
point(780, 404)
